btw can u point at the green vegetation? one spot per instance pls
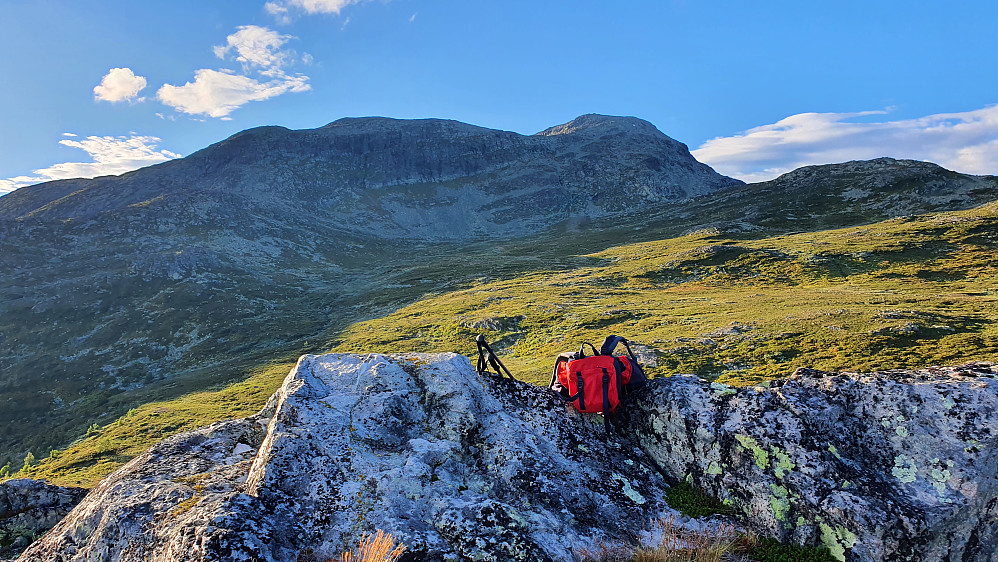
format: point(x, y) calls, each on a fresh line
point(677, 544)
point(907, 292)
point(105, 449)
point(771, 550)
point(692, 502)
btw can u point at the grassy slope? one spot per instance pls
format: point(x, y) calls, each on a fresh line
point(101, 452)
point(902, 293)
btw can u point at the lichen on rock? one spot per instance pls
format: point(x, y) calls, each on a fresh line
point(891, 466)
point(454, 465)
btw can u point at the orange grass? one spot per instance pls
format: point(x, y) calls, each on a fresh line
point(379, 547)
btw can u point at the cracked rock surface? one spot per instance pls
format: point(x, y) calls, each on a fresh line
point(891, 466)
point(418, 445)
point(29, 508)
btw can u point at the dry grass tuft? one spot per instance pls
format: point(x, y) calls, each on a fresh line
point(379, 547)
point(675, 544)
point(682, 545)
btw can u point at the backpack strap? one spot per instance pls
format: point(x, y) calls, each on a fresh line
point(611, 342)
point(582, 350)
point(618, 368)
point(487, 357)
point(606, 401)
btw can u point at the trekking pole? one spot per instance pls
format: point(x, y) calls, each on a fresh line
point(491, 359)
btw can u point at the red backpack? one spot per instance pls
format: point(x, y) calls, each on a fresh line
point(597, 383)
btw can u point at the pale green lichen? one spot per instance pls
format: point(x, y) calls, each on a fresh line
point(714, 469)
point(834, 451)
point(939, 480)
point(846, 484)
point(728, 501)
point(783, 463)
point(948, 403)
point(801, 522)
point(779, 501)
point(760, 455)
point(629, 491)
point(837, 540)
point(721, 389)
point(904, 468)
point(902, 431)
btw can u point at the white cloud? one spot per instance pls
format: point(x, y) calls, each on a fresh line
point(282, 9)
point(412, 18)
point(120, 84)
point(218, 93)
point(277, 10)
point(109, 156)
point(966, 142)
point(257, 47)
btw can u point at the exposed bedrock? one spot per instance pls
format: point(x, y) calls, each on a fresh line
point(891, 466)
point(456, 466)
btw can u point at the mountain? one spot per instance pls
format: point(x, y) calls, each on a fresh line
point(428, 179)
point(850, 193)
point(118, 290)
point(187, 275)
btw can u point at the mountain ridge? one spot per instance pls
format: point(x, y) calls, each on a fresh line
point(570, 171)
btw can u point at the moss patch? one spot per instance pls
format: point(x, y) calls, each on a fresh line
point(693, 502)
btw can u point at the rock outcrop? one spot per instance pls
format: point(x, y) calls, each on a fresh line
point(29, 508)
point(896, 466)
point(455, 466)
point(892, 466)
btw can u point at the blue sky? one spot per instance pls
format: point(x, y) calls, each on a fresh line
point(754, 88)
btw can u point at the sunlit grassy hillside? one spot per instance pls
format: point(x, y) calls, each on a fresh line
point(106, 448)
point(907, 292)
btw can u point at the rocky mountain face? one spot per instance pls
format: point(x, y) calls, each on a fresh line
point(428, 179)
point(896, 466)
point(28, 509)
point(837, 195)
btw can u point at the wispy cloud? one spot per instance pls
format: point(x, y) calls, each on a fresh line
point(966, 142)
point(217, 93)
point(256, 47)
point(109, 156)
point(120, 84)
point(282, 8)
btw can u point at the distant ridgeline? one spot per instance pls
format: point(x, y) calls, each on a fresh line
point(196, 273)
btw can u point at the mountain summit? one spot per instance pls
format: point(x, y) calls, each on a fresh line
point(425, 178)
